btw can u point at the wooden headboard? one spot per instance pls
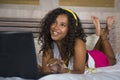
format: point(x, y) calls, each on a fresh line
point(32, 24)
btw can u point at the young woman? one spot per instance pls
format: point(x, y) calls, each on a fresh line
point(63, 43)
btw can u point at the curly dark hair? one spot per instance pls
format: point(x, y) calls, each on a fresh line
point(75, 31)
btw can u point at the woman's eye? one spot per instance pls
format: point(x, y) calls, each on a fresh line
point(63, 25)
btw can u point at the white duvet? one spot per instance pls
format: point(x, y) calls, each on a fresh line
point(104, 73)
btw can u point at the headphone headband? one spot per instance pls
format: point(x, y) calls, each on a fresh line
point(75, 17)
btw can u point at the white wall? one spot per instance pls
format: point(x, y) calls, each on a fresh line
point(38, 11)
point(117, 26)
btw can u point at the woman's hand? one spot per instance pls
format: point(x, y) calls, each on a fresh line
point(55, 65)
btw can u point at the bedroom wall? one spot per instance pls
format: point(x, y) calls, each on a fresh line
point(117, 25)
point(85, 13)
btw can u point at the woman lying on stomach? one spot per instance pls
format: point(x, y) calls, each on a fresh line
point(63, 43)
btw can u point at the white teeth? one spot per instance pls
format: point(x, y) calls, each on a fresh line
point(55, 33)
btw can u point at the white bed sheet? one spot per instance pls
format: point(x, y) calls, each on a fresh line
point(104, 73)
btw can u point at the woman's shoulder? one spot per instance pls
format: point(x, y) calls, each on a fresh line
point(78, 40)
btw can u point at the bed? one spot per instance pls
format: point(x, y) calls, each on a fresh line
point(103, 73)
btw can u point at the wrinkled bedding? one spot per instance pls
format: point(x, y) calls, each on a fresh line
point(104, 73)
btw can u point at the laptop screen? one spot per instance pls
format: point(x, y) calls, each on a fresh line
point(17, 55)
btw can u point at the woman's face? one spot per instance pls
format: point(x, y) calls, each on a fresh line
point(59, 28)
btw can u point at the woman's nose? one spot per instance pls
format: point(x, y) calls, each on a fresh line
point(56, 26)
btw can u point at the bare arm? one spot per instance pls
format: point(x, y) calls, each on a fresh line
point(45, 58)
point(51, 65)
point(79, 58)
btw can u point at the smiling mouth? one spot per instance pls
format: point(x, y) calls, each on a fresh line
point(55, 33)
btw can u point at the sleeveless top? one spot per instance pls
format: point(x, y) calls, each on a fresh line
point(95, 58)
point(56, 54)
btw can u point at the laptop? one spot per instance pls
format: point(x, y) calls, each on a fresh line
point(17, 55)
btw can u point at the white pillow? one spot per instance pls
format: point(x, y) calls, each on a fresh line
point(117, 56)
point(91, 41)
point(38, 55)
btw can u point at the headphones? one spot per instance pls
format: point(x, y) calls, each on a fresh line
point(74, 15)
